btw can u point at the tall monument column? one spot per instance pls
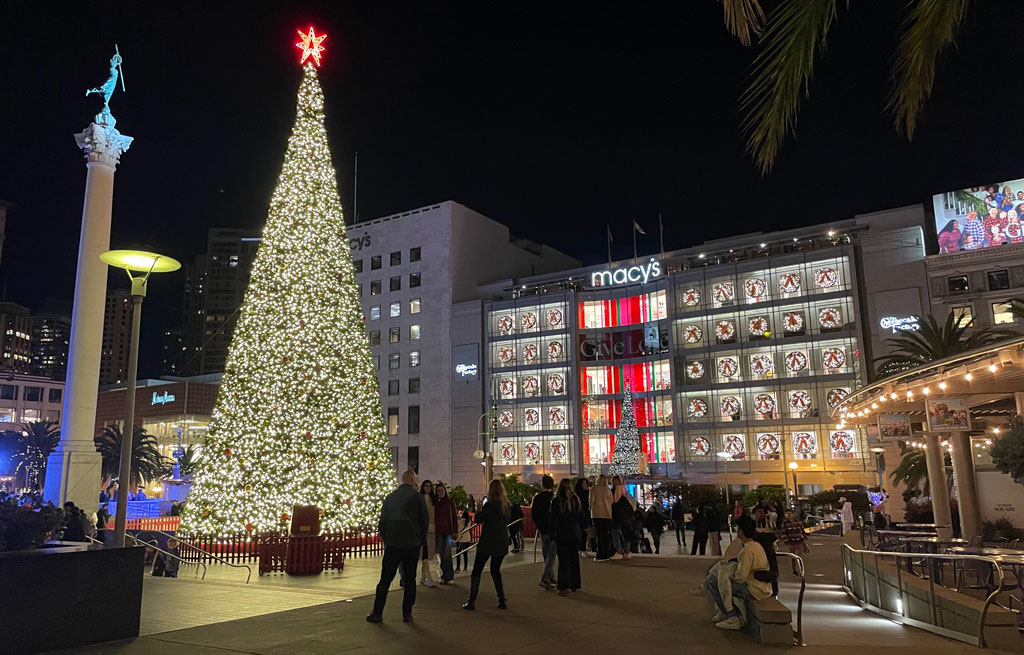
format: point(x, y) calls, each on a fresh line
point(73, 469)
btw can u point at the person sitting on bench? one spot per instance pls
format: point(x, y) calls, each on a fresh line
point(745, 586)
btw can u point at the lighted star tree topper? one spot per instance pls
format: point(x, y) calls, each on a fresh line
point(628, 452)
point(310, 45)
point(298, 416)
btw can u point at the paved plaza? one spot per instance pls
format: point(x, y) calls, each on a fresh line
point(642, 605)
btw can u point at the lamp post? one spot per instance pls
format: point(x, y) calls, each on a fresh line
point(137, 261)
point(725, 457)
point(484, 449)
point(796, 489)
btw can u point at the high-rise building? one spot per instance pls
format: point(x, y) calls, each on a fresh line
point(172, 352)
point(15, 338)
point(214, 286)
point(117, 337)
point(51, 335)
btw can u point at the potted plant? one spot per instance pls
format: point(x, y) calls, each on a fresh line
point(25, 523)
point(997, 530)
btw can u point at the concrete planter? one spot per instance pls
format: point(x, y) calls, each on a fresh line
point(68, 596)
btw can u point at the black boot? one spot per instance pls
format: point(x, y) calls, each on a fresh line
point(500, 588)
point(474, 587)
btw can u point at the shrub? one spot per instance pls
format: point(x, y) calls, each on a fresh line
point(24, 526)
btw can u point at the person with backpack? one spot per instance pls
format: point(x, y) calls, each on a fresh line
point(745, 584)
point(566, 523)
point(623, 515)
point(540, 512)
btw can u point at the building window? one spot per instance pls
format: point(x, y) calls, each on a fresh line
point(396, 283)
point(414, 459)
point(414, 358)
point(30, 415)
point(998, 280)
point(394, 335)
point(357, 266)
point(396, 258)
point(374, 337)
point(1001, 315)
point(53, 415)
point(396, 309)
point(414, 306)
point(376, 363)
point(414, 332)
point(414, 385)
point(394, 457)
point(414, 254)
point(963, 315)
point(958, 284)
point(393, 360)
point(414, 420)
point(414, 280)
point(375, 288)
point(56, 395)
point(359, 289)
point(392, 421)
point(375, 312)
point(34, 394)
point(393, 387)
point(374, 262)
point(8, 392)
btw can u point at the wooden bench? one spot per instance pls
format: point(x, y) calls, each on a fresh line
point(769, 621)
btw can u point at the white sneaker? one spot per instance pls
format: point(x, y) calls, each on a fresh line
point(627, 555)
point(616, 556)
point(718, 617)
point(731, 623)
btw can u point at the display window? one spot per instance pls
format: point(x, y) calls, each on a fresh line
point(644, 308)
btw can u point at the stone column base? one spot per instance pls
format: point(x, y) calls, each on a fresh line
point(74, 476)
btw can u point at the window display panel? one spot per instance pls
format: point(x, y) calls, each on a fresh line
point(556, 417)
point(730, 405)
point(765, 404)
point(842, 444)
point(755, 288)
point(735, 445)
point(503, 354)
point(691, 333)
point(805, 444)
point(690, 296)
point(769, 446)
point(789, 282)
point(530, 418)
point(799, 403)
point(554, 349)
point(644, 308)
point(700, 447)
point(727, 368)
point(642, 376)
point(723, 292)
point(559, 450)
point(761, 364)
point(659, 447)
point(597, 449)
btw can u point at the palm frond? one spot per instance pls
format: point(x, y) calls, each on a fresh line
point(781, 75)
point(930, 26)
point(933, 341)
point(743, 19)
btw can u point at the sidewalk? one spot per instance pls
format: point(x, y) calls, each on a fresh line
point(641, 605)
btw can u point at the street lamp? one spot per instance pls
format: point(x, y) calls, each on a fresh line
point(796, 489)
point(137, 261)
point(725, 457)
point(484, 449)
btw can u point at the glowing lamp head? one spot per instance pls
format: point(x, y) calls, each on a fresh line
point(140, 261)
point(793, 465)
point(942, 385)
point(992, 368)
point(311, 46)
point(969, 377)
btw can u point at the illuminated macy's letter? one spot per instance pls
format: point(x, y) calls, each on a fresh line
point(642, 274)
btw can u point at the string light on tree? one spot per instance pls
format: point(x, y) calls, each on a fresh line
point(628, 452)
point(298, 417)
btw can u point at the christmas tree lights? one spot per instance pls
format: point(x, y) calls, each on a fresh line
point(627, 454)
point(298, 417)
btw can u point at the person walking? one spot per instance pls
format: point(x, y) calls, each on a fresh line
point(446, 525)
point(656, 524)
point(679, 521)
point(587, 527)
point(601, 514)
point(700, 531)
point(623, 516)
point(403, 530)
point(566, 528)
point(714, 524)
point(493, 544)
point(516, 528)
point(463, 541)
point(430, 547)
point(773, 518)
point(846, 515)
point(794, 537)
point(761, 515)
point(540, 512)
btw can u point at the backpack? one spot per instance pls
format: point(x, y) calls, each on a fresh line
point(767, 541)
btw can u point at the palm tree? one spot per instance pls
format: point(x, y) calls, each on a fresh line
point(792, 36)
point(913, 471)
point(147, 462)
point(188, 461)
point(35, 443)
point(911, 348)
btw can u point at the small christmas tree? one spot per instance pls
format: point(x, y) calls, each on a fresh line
point(298, 417)
point(628, 452)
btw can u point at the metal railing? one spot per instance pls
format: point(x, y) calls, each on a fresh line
point(209, 555)
point(147, 544)
point(476, 543)
point(929, 562)
point(798, 633)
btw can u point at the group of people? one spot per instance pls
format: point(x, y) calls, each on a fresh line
point(999, 223)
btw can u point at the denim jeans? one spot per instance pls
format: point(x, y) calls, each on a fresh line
point(617, 543)
point(444, 552)
point(548, 549)
point(739, 593)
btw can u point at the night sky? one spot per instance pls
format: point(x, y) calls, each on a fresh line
point(553, 118)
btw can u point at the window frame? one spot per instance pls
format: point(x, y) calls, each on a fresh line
point(415, 280)
point(395, 309)
point(395, 283)
point(375, 263)
point(375, 288)
point(415, 254)
point(396, 258)
point(394, 361)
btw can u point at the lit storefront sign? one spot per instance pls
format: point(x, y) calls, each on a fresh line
point(641, 273)
point(899, 323)
point(467, 362)
point(162, 398)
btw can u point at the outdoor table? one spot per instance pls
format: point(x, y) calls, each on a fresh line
point(899, 535)
point(931, 546)
point(917, 526)
point(1013, 559)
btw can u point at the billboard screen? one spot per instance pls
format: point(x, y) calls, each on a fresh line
point(980, 217)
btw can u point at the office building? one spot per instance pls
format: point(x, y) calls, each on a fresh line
point(51, 336)
point(15, 338)
point(117, 337)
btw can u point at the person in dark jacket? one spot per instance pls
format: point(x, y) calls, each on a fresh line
point(516, 529)
point(74, 530)
point(656, 524)
point(446, 524)
point(714, 523)
point(679, 521)
point(493, 544)
point(540, 512)
point(587, 527)
point(403, 529)
point(700, 531)
point(566, 521)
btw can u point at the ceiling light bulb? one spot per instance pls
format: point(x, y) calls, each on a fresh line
point(968, 377)
point(942, 385)
point(992, 368)
point(926, 391)
point(893, 395)
point(874, 405)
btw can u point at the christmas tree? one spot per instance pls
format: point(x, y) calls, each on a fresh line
point(626, 458)
point(298, 417)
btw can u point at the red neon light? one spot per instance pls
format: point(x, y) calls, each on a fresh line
point(310, 46)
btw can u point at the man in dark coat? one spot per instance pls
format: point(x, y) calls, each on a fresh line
point(403, 529)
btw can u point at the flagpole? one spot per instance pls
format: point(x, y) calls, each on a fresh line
point(609, 235)
point(661, 235)
point(634, 243)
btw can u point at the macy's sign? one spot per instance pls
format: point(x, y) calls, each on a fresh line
point(641, 273)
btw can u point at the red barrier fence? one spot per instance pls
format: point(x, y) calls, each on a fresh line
point(157, 523)
point(278, 551)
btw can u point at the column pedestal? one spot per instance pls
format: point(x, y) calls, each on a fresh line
point(73, 470)
point(966, 485)
point(937, 485)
